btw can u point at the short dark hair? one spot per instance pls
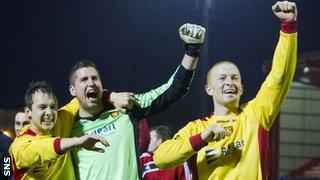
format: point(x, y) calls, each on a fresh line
point(79, 65)
point(163, 132)
point(20, 110)
point(42, 86)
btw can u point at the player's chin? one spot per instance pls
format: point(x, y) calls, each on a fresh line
point(93, 105)
point(47, 128)
point(93, 101)
point(230, 99)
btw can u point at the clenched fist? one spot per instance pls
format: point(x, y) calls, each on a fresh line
point(214, 133)
point(285, 11)
point(192, 33)
point(122, 101)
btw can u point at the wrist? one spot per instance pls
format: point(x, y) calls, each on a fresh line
point(193, 50)
point(197, 142)
point(76, 141)
point(106, 96)
point(204, 135)
point(111, 95)
point(289, 27)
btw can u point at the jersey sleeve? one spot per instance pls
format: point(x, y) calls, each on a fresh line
point(266, 105)
point(158, 99)
point(28, 152)
point(66, 117)
point(180, 148)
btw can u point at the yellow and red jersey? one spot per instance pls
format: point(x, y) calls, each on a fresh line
point(245, 153)
point(39, 156)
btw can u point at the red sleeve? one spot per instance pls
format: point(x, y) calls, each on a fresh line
point(57, 146)
point(197, 143)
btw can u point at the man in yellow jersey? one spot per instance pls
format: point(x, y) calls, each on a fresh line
point(232, 143)
point(36, 153)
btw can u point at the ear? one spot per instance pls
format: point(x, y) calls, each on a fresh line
point(241, 90)
point(27, 110)
point(159, 141)
point(209, 90)
point(72, 90)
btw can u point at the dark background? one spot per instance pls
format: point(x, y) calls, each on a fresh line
point(137, 46)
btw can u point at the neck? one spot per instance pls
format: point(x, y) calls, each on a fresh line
point(38, 132)
point(225, 110)
point(90, 112)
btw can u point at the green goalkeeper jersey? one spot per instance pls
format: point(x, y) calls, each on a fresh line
point(120, 159)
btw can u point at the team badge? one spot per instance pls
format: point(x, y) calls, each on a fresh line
point(114, 114)
point(229, 129)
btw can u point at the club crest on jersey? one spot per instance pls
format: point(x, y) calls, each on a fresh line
point(115, 114)
point(229, 129)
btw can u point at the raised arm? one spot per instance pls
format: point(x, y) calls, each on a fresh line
point(272, 94)
point(160, 98)
point(193, 37)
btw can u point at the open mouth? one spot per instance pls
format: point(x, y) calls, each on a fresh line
point(92, 94)
point(230, 91)
point(47, 121)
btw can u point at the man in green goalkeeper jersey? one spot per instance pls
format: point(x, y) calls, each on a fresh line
point(120, 160)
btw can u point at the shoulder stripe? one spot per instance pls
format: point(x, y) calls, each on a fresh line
point(28, 132)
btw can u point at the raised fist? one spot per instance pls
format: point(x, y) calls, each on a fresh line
point(285, 11)
point(192, 33)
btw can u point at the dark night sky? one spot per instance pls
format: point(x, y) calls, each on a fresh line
point(136, 45)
